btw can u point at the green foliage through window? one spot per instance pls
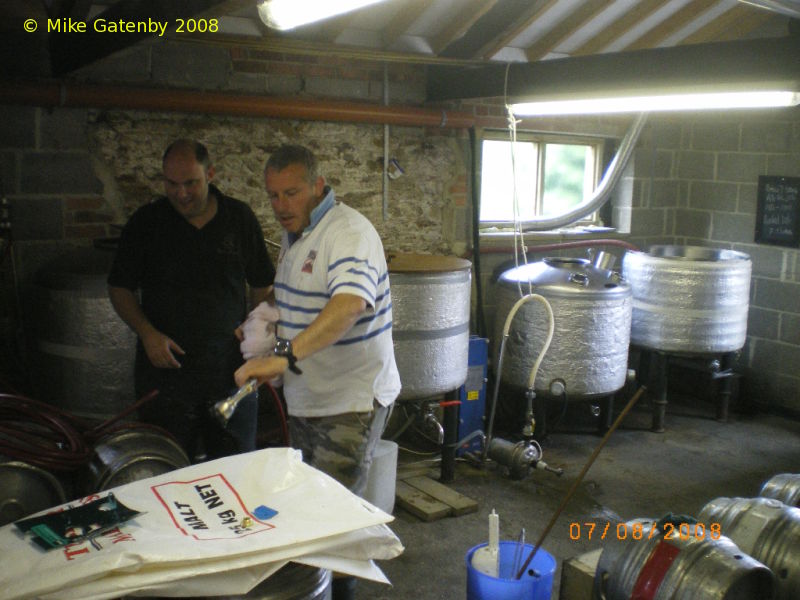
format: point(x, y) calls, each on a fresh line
point(551, 177)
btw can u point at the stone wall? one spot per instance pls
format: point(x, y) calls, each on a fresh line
point(74, 175)
point(351, 158)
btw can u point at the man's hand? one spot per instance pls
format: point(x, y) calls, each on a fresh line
point(261, 369)
point(160, 348)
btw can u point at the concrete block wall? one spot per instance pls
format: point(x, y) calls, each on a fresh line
point(696, 181)
point(497, 249)
point(48, 175)
point(55, 198)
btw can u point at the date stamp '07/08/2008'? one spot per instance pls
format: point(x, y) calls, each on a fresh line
point(643, 530)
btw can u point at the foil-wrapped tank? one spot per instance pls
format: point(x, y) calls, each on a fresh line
point(84, 351)
point(689, 299)
point(592, 313)
point(430, 322)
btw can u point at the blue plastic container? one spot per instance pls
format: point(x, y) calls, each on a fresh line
point(535, 584)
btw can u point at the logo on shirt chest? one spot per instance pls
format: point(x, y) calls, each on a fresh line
point(227, 245)
point(308, 263)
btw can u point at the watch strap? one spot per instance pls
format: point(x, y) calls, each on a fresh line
point(284, 348)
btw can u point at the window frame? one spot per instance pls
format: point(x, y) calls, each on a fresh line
point(542, 139)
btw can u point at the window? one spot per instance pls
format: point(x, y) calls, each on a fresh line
point(553, 175)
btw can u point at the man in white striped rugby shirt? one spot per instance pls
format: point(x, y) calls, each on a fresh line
point(334, 345)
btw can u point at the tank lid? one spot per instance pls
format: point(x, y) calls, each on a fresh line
point(557, 276)
point(78, 268)
point(425, 263)
point(696, 253)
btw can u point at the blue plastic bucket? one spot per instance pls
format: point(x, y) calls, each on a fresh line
point(535, 584)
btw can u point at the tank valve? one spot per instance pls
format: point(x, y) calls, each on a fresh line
point(558, 388)
point(430, 422)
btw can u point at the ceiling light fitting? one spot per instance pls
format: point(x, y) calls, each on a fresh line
point(650, 102)
point(288, 14)
point(713, 76)
point(790, 8)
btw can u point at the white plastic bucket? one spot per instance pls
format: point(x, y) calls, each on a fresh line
point(382, 476)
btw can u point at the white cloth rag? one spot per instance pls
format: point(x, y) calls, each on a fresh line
point(258, 331)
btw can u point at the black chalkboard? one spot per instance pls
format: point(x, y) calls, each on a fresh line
point(778, 211)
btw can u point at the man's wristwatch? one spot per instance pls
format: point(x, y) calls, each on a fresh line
point(284, 348)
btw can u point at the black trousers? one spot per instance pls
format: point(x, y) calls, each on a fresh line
point(186, 398)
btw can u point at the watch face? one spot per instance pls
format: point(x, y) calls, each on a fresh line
point(284, 348)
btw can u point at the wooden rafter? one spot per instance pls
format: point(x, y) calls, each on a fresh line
point(627, 21)
point(574, 21)
point(468, 15)
point(668, 26)
point(496, 44)
point(400, 24)
point(733, 24)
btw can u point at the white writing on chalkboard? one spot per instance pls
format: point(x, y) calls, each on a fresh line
point(778, 212)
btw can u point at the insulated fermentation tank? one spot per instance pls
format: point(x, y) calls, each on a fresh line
point(588, 355)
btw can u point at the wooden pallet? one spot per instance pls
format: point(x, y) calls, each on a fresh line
point(429, 500)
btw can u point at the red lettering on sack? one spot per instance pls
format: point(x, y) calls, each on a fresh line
point(70, 551)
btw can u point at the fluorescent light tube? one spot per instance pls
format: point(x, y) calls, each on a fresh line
point(790, 8)
point(288, 14)
point(661, 102)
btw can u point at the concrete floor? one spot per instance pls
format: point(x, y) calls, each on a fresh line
point(637, 474)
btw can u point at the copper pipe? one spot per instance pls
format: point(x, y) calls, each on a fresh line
point(58, 94)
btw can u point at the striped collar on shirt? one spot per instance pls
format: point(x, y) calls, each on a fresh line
point(317, 213)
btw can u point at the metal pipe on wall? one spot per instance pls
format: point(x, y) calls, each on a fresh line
point(74, 95)
point(385, 145)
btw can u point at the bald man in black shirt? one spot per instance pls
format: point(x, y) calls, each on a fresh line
point(191, 255)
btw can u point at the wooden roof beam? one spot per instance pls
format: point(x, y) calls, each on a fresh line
point(468, 16)
point(667, 27)
point(499, 42)
point(618, 28)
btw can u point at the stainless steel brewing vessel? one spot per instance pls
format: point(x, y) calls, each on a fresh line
point(430, 322)
point(592, 310)
point(689, 299)
point(84, 351)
